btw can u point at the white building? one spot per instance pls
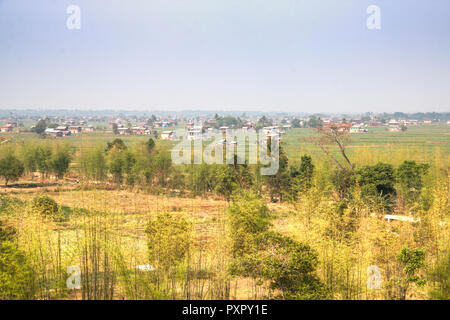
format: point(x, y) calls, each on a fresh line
point(194, 134)
point(168, 135)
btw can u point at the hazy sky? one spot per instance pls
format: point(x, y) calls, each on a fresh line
point(277, 55)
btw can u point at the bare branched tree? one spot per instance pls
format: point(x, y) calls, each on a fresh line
point(331, 136)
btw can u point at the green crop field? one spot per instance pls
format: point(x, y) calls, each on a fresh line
point(96, 215)
point(420, 142)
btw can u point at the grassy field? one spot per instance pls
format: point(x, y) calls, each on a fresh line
point(104, 228)
point(420, 143)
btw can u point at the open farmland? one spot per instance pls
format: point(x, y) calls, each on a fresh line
point(101, 225)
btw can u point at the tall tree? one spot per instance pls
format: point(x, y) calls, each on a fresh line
point(11, 168)
point(60, 163)
point(410, 177)
point(332, 137)
point(279, 184)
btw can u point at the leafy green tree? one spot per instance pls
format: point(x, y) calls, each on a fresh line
point(288, 266)
point(314, 122)
point(227, 121)
point(168, 240)
point(11, 168)
point(17, 281)
point(302, 175)
point(92, 163)
point(151, 120)
point(440, 278)
point(29, 158)
point(116, 168)
point(410, 177)
point(243, 174)
point(263, 122)
point(150, 145)
point(40, 127)
point(403, 127)
point(43, 157)
point(162, 166)
point(412, 261)
point(343, 181)
point(226, 181)
point(248, 217)
point(129, 166)
point(296, 123)
point(120, 160)
point(202, 179)
point(116, 144)
point(115, 128)
point(59, 163)
point(279, 184)
point(377, 182)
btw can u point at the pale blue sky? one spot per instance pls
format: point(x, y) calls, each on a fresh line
point(277, 55)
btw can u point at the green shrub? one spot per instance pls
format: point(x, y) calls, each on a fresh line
point(45, 206)
point(16, 276)
point(11, 169)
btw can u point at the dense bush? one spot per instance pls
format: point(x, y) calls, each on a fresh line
point(410, 177)
point(11, 169)
point(16, 276)
point(168, 240)
point(45, 206)
point(287, 265)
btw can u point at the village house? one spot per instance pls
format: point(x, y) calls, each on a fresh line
point(168, 135)
point(411, 122)
point(356, 121)
point(7, 128)
point(89, 129)
point(224, 130)
point(139, 130)
point(394, 126)
point(358, 129)
point(344, 126)
point(75, 129)
point(123, 131)
point(268, 130)
point(250, 124)
point(375, 124)
point(195, 133)
point(211, 122)
point(53, 133)
point(63, 130)
point(163, 124)
point(272, 135)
